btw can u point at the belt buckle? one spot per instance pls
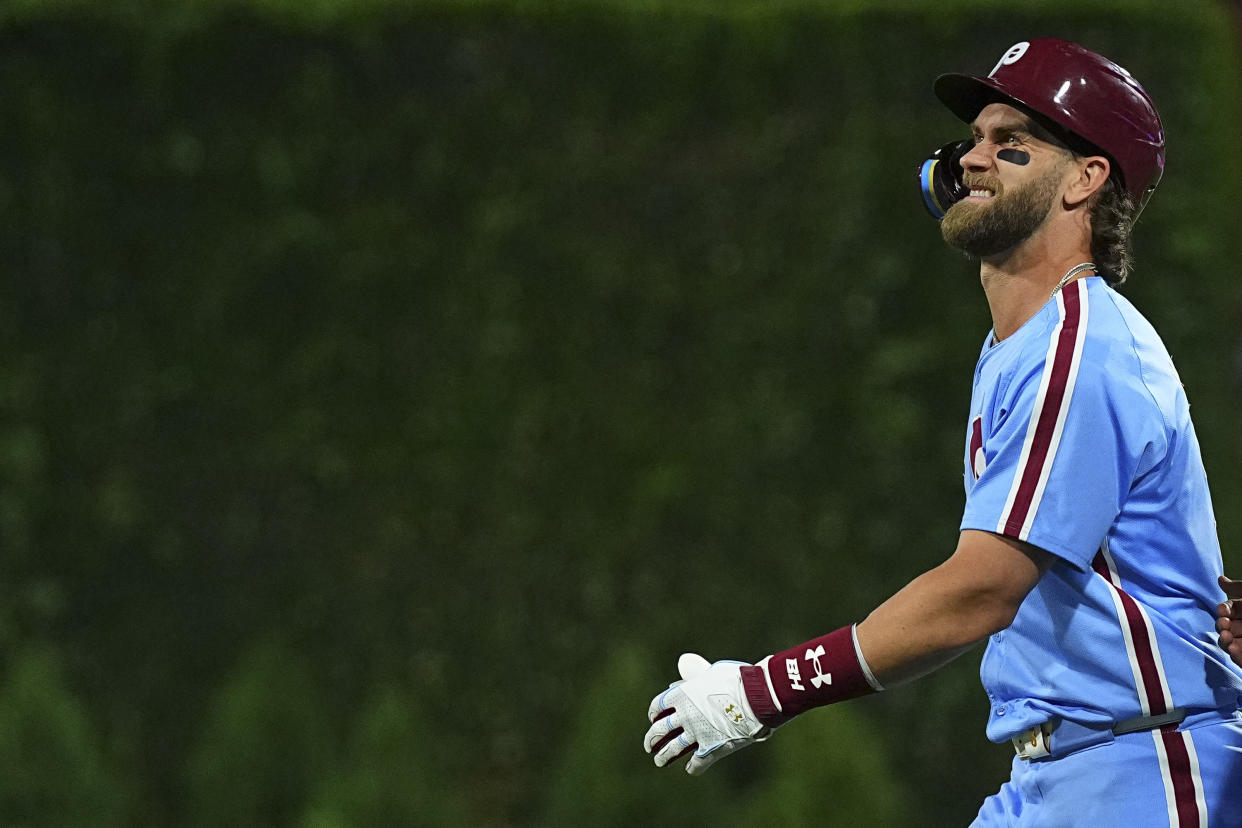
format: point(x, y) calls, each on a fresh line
point(1032, 743)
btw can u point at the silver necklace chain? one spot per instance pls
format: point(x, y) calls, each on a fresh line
point(1070, 274)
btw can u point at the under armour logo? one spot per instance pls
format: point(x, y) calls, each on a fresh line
point(1015, 53)
point(795, 677)
point(820, 678)
point(737, 717)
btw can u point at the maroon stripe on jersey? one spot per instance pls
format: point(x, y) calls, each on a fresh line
point(1063, 357)
point(1143, 650)
point(1180, 773)
point(1183, 780)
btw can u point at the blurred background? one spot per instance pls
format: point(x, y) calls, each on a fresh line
point(389, 392)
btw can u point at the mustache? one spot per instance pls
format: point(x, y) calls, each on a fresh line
point(972, 181)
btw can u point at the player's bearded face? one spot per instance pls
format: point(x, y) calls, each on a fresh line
point(982, 229)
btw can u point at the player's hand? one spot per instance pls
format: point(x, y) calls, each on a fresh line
point(706, 712)
point(1229, 619)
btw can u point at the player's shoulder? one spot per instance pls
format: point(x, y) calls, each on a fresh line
point(1110, 313)
point(1095, 332)
point(1119, 336)
point(1123, 354)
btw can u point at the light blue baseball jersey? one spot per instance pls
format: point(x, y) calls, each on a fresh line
point(1080, 443)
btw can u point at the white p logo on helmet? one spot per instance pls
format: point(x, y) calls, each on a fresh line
point(1015, 53)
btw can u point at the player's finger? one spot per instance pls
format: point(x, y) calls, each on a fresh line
point(693, 746)
point(691, 665)
point(657, 734)
point(675, 749)
point(701, 761)
point(662, 704)
point(672, 734)
point(1231, 587)
point(1229, 611)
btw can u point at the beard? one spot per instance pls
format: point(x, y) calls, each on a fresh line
point(983, 230)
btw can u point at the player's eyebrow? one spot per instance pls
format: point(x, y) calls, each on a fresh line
point(1020, 125)
point(1015, 127)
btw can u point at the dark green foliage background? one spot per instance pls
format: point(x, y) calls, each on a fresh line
point(387, 397)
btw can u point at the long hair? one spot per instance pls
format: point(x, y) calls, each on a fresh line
point(1112, 219)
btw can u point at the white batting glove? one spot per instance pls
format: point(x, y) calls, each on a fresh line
point(706, 712)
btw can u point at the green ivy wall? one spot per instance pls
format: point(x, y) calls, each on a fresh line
point(389, 393)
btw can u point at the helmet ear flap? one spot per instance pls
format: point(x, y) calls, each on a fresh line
point(940, 178)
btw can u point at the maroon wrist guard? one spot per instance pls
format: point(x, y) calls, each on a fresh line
point(824, 670)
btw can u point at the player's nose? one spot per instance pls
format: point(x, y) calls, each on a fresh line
point(978, 159)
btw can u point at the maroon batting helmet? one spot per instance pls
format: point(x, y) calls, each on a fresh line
point(1081, 96)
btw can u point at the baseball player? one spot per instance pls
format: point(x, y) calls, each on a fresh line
point(1087, 556)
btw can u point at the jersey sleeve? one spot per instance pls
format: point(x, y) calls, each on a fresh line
point(1073, 431)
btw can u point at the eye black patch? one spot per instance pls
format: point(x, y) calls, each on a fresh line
point(1014, 156)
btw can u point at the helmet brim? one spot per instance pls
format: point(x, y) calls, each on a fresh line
point(967, 95)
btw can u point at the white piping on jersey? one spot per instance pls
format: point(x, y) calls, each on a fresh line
point(1200, 796)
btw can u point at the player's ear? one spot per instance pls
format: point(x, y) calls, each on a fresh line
point(1090, 173)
